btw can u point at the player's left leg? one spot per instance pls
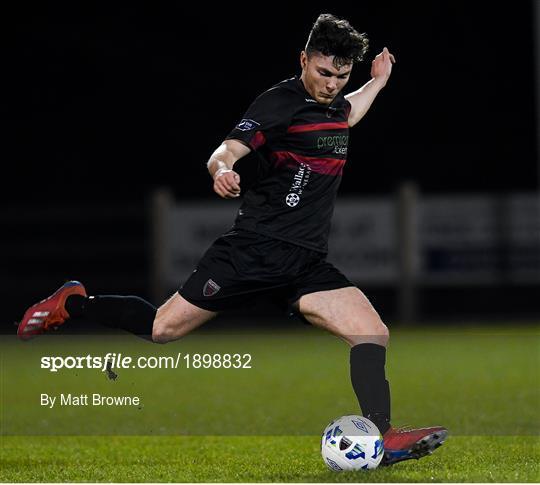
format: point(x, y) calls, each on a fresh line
point(348, 314)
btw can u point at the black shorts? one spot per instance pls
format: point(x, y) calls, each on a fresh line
point(243, 265)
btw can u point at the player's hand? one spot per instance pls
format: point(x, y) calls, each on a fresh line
point(227, 183)
point(381, 66)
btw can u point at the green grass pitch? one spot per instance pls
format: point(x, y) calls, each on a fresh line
point(263, 424)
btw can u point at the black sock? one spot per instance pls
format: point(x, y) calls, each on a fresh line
point(130, 313)
point(370, 384)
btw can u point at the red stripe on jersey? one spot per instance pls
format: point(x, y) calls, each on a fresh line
point(318, 126)
point(258, 140)
point(325, 166)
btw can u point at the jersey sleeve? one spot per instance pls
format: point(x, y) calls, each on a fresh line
point(267, 117)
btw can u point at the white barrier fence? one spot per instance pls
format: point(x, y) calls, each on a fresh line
point(404, 240)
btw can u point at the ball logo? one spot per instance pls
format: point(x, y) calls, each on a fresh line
point(292, 200)
point(333, 465)
point(361, 425)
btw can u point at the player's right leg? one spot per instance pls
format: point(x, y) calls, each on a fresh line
point(50, 312)
point(174, 319)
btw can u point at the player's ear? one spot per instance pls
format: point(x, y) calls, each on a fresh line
point(303, 59)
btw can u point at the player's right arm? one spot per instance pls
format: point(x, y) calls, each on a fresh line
point(220, 166)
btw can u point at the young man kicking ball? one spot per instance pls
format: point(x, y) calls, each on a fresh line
point(300, 128)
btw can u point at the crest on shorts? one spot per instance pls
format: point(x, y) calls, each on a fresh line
point(210, 288)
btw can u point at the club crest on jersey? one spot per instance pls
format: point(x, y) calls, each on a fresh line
point(210, 288)
point(247, 125)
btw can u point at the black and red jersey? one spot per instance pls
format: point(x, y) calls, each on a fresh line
point(304, 145)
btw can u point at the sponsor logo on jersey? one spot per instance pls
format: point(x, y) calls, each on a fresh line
point(338, 143)
point(292, 199)
point(300, 180)
point(211, 288)
point(247, 125)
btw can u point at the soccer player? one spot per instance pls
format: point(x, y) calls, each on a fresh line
point(300, 128)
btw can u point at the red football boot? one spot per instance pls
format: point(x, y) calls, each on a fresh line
point(50, 312)
point(405, 444)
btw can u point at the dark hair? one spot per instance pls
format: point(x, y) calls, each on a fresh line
point(332, 36)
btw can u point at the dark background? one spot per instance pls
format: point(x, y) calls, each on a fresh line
point(105, 103)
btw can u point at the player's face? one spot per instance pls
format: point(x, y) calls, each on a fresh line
point(321, 78)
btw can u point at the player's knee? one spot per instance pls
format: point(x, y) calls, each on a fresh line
point(161, 333)
point(383, 332)
point(371, 327)
point(159, 336)
point(374, 331)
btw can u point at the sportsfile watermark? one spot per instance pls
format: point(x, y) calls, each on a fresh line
point(279, 382)
point(117, 361)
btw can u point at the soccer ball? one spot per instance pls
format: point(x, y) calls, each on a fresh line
point(352, 443)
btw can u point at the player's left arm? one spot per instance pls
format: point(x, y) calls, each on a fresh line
point(361, 100)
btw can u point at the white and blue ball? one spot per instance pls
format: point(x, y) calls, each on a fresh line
point(352, 443)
